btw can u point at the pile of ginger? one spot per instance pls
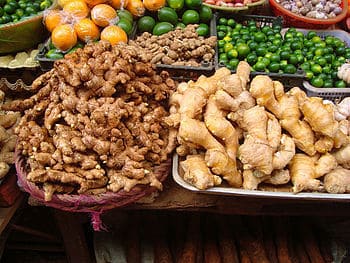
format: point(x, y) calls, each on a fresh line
point(251, 133)
point(96, 123)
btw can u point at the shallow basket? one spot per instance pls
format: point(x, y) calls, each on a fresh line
point(88, 203)
point(294, 20)
point(332, 94)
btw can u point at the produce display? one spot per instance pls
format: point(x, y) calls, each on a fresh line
point(161, 19)
point(95, 123)
point(249, 134)
point(178, 47)
point(267, 49)
point(314, 9)
point(17, 10)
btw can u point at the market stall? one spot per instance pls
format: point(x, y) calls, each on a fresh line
point(231, 107)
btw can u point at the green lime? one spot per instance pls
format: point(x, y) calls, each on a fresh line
point(125, 25)
point(253, 45)
point(205, 14)
point(305, 66)
point(223, 56)
point(328, 83)
point(221, 34)
point(243, 50)
point(334, 74)
point(228, 47)
point(340, 50)
point(340, 84)
point(221, 28)
point(19, 12)
point(222, 21)
point(233, 63)
point(290, 69)
point(284, 55)
point(259, 66)
point(293, 59)
point(274, 67)
point(300, 58)
point(259, 37)
point(162, 28)
point(311, 34)
point(321, 61)
point(327, 69)
point(265, 60)
point(273, 48)
point(190, 17)
point(232, 53)
point(283, 64)
point(145, 24)
point(261, 51)
point(308, 74)
point(317, 82)
point(341, 59)
point(176, 4)
point(296, 45)
point(167, 14)
point(231, 22)
point(277, 42)
point(251, 59)
point(316, 39)
point(275, 58)
point(9, 9)
point(202, 30)
point(44, 5)
point(125, 14)
point(316, 69)
point(319, 52)
point(193, 3)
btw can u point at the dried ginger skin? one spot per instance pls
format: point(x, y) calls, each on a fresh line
point(97, 123)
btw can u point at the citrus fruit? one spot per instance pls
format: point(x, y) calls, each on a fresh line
point(190, 17)
point(176, 4)
point(193, 3)
point(114, 34)
point(62, 3)
point(125, 14)
point(162, 28)
point(202, 30)
point(154, 5)
point(92, 3)
point(146, 24)
point(77, 8)
point(86, 30)
point(136, 7)
point(205, 14)
point(125, 25)
point(63, 37)
point(103, 15)
point(167, 14)
point(52, 19)
point(119, 4)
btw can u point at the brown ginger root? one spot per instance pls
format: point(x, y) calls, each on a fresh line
point(337, 181)
point(342, 156)
point(197, 173)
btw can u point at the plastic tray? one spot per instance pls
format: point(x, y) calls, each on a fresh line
point(288, 80)
point(229, 191)
point(248, 8)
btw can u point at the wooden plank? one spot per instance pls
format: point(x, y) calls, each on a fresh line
point(6, 213)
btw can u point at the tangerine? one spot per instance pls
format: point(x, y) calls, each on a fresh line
point(119, 4)
point(53, 18)
point(103, 15)
point(62, 3)
point(95, 2)
point(64, 37)
point(86, 30)
point(77, 8)
point(154, 5)
point(136, 7)
point(114, 34)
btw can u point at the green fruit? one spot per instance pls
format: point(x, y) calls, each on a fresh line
point(176, 4)
point(203, 30)
point(340, 84)
point(125, 25)
point(290, 69)
point(233, 63)
point(125, 14)
point(205, 14)
point(223, 21)
point(232, 54)
point(193, 3)
point(259, 37)
point(274, 67)
point(243, 50)
point(190, 17)
point(146, 24)
point(252, 59)
point(162, 28)
point(328, 83)
point(317, 82)
point(54, 54)
point(167, 14)
point(179, 24)
point(259, 66)
point(316, 69)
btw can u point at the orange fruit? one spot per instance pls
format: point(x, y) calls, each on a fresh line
point(136, 7)
point(154, 5)
point(119, 4)
point(53, 18)
point(103, 15)
point(114, 34)
point(95, 2)
point(86, 30)
point(77, 8)
point(63, 37)
point(62, 3)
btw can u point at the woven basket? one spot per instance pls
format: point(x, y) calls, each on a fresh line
point(95, 204)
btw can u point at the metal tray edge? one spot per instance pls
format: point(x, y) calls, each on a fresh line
point(255, 193)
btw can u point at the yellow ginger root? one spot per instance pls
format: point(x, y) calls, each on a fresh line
point(305, 170)
point(285, 107)
point(9, 119)
point(251, 181)
point(197, 173)
point(216, 157)
point(337, 181)
point(342, 156)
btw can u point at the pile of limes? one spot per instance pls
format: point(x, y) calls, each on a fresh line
point(266, 50)
point(15, 10)
point(177, 13)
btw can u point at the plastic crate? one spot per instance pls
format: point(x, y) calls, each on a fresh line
point(288, 80)
point(332, 94)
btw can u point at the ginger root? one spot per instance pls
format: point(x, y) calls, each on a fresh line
point(337, 181)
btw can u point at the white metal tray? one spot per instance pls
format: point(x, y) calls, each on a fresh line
point(221, 190)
